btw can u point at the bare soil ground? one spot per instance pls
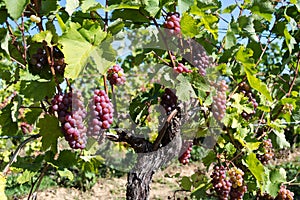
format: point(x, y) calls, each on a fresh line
point(162, 187)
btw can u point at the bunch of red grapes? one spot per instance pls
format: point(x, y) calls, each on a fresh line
point(228, 184)
point(245, 89)
point(219, 101)
point(168, 101)
point(221, 183)
point(182, 69)
point(284, 194)
point(101, 113)
point(71, 113)
point(201, 60)
point(172, 23)
point(186, 155)
point(268, 152)
point(116, 76)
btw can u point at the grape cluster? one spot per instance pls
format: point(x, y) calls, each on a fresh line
point(238, 188)
point(182, 69)
point(168, 101)
point(172, 23)
point(284, 194)
point(201, 60)
point(35, 18)
point(245, 89)
point(39, 60)
point(219, 101)
point(101, 113)
point(268, 152)
point(116, 76)
point(186, 155)
point(71, 113)
point(26, 128)
point(221, 183)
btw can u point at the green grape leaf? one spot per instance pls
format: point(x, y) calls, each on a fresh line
point(184, 5)
point(138, 108)
point(66, 159)
point(229, 9)
point(50, 132)
point(8, 126)
point(186, 183)
point(289, 39)
point(277, 177)
point(88, 5)
point(188, 25)
point(25, 177)
point(281, 140)
point(43, 36)
point(116, 26)
point(184, 89)
point(16, 7)
point(263, 8)
point(210, 22)
point(257, 169)
point(71, 6)
point(4, 38)
point(209, 158)
point(48, 6)
point(230, 39)
point(151, 6)
point(244, 56)
point(86, 41)
point(37, 90)
point(66, 173)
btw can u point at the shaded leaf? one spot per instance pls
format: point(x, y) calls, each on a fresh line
point(50, 132)
point(16, 7)
point(186, 183)
point(37, 90)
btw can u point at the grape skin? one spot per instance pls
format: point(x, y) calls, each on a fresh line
point(168, 101)
point(219, 101)
point(101, 113)
point(186, 155)
point(172, 23)
point(116, 76)
point(71, 113)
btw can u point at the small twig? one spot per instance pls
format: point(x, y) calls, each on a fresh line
point(38, 181)
point(14, 156)
point(164, 40)
point(295, 77)
point(161, 59)
point(14, 60)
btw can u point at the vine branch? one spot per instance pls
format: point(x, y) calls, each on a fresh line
point(14, 156)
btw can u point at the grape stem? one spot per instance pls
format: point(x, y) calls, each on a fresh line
point(14, 156)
